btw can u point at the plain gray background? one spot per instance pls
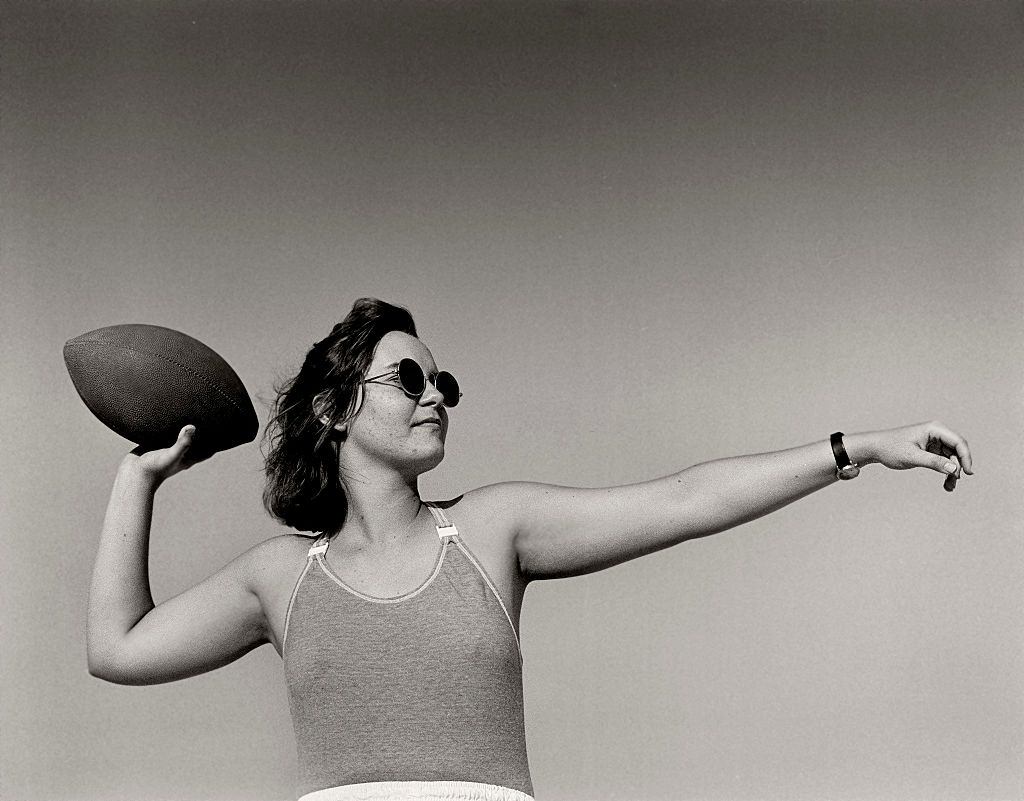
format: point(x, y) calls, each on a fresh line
point(643, 235)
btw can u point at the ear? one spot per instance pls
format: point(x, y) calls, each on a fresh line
point(320, 406)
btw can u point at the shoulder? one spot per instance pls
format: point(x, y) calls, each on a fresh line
point(495, 513)
point(282, 546)
point(498, 504)
point(513, 501)
point(504, 496)
point(275, 559)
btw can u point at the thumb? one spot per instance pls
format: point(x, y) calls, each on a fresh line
point(188, 450)
point(939, 464)
point(184, 441)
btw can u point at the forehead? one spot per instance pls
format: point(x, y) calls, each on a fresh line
point(397, 345)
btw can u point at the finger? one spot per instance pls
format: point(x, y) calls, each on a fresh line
point(184, 441)
point(950, 483)
point(956, 442)
point(963, 453)
point(939, 464)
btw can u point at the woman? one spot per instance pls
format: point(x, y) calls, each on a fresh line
point(398, 622)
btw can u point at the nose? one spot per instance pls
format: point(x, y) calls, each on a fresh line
point(431, 396)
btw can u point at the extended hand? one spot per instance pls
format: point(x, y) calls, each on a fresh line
point(930, 445)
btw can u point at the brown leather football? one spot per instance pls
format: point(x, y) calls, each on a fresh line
point(145, 382)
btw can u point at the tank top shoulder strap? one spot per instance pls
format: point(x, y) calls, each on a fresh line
point(445, 529)
point(320, 546)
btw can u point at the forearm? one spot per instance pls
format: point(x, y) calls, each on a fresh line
point(728, 492)
point(120, 595)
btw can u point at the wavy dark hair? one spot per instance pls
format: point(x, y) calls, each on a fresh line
point(304, 489)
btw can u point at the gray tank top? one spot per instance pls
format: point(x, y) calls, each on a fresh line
point(423, 687)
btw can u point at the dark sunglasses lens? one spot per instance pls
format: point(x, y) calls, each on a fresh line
point(411, 376)
point(449, 387)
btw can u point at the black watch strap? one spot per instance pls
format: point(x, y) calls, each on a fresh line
point(845, 469)
point(839, 450)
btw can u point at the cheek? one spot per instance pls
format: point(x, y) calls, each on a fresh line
point(383, 422)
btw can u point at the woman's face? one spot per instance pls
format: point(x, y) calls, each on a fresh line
point(391, 428)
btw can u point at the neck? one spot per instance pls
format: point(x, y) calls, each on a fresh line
point(382, 506)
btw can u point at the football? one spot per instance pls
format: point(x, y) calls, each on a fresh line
point(145, 382)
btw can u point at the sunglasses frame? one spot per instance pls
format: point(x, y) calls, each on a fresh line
point(409, 393)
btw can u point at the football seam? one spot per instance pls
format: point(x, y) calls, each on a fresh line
point(184, 367)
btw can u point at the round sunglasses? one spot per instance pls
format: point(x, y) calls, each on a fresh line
point(413, 382)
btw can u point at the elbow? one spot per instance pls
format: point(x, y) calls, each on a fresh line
point(103, 676)
point(98, 658)
point(102, 669)
point(105, 667)
point(99, 671)
point(116, 675)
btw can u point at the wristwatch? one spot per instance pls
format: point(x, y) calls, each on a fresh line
point(845, 469)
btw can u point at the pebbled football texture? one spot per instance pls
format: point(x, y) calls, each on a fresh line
point(145, 382)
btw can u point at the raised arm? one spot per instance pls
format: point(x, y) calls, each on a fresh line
point(131, 641)
point(562, 531)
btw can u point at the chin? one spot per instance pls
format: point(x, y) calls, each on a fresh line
point(434, 460)
point(427, 460)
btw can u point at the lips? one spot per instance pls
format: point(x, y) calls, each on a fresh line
point(432, 421)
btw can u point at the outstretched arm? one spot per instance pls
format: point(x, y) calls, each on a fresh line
point(564, 531)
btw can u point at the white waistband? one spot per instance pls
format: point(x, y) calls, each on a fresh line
point(417, 791)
